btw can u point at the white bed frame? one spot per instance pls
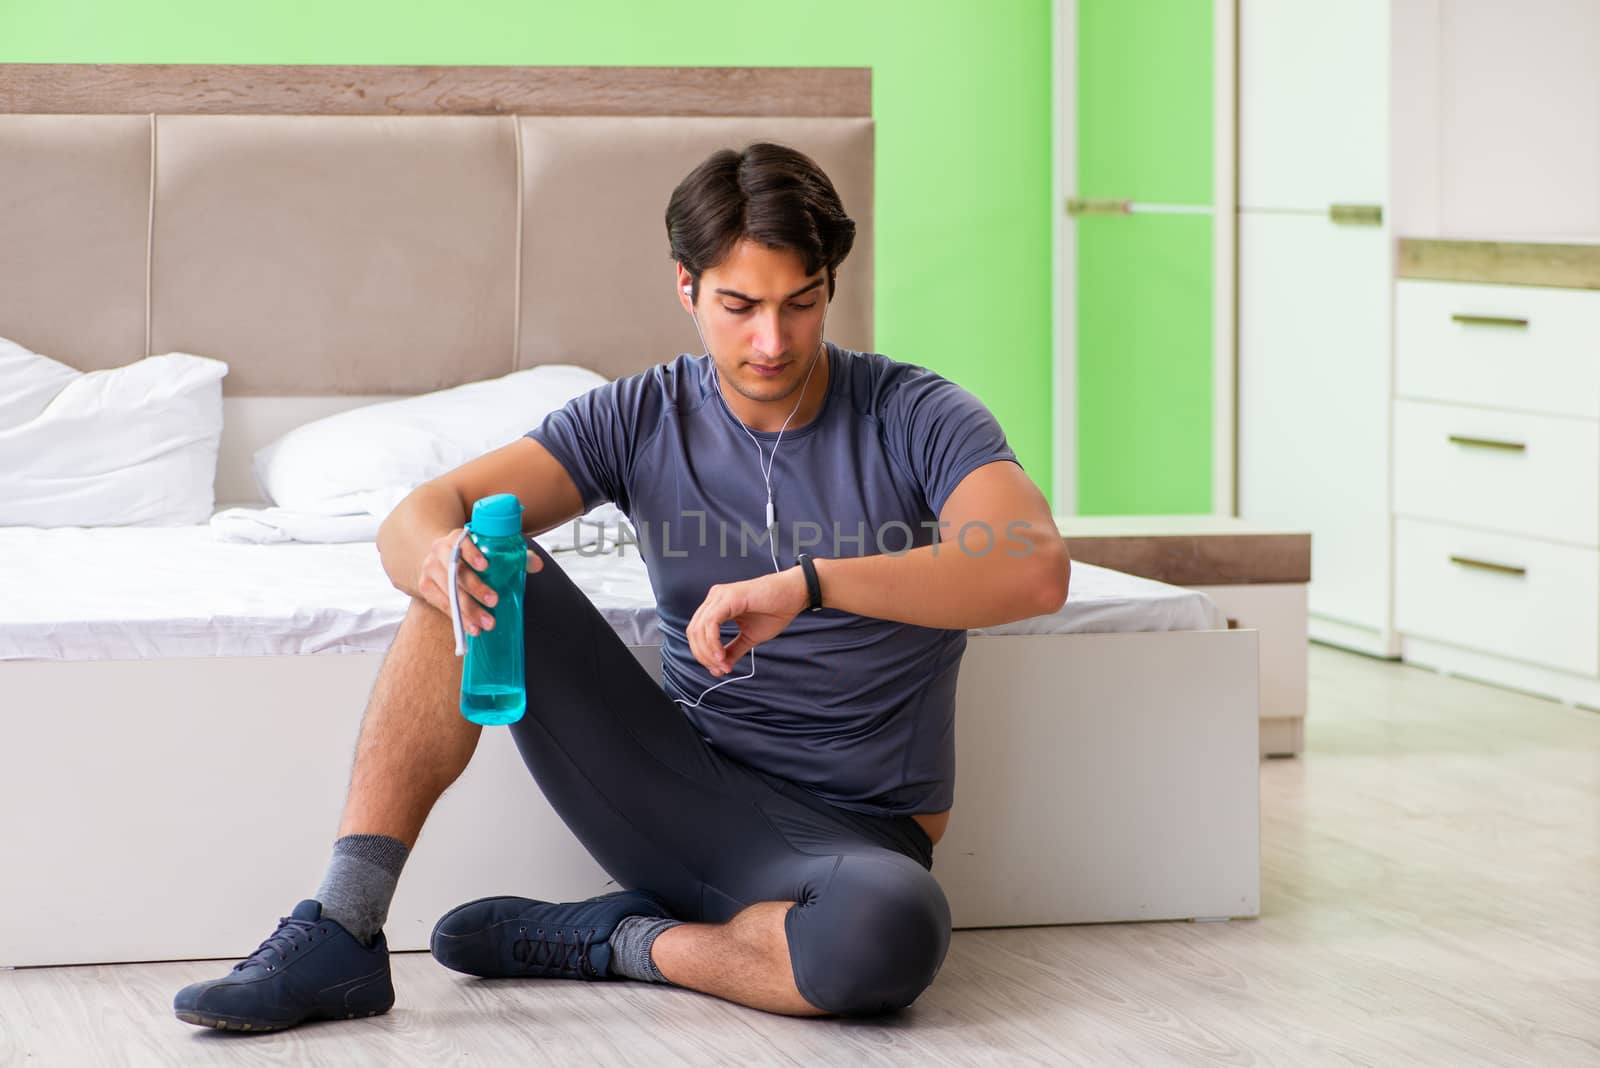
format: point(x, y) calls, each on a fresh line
point(172, 809)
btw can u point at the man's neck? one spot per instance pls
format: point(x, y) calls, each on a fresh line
point(769, 417)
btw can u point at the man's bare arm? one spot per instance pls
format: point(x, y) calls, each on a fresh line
point(439, 507)
point(956, 584)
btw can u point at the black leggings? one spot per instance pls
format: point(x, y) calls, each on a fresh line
point(662, 810)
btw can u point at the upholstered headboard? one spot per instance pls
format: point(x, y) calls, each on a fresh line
point(340, 234)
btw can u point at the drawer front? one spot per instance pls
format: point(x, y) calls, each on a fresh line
point(1514, 597)
point(1523, 347)
point(1537, 475)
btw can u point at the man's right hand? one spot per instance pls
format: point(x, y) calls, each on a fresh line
point(477, 598)
point(412, 531)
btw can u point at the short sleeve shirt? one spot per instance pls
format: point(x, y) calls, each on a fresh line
point(860, 711)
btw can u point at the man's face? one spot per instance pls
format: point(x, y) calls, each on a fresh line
point(761, 316)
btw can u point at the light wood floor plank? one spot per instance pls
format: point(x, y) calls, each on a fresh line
point(1431, 896)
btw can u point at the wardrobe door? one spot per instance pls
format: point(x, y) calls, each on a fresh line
point(1313, 401)
point(1144, 365)
point(1143, 230)
point(1313, 103)
point(1314, 297)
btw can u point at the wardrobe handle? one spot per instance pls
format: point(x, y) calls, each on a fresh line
point(1488, 443)
point(1077, 206)
point(1356, 214)
point(1489, 320)
point(1484, 565)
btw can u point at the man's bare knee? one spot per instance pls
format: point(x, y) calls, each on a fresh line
point(425, 622)
point(421, 675)
point(424, 646)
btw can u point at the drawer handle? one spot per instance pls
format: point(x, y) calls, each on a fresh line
point(1489, 320)
point(1488, 443)
point(1484, 565)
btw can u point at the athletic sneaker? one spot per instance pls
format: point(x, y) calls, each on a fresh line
point(309, 969)
point(502, 937)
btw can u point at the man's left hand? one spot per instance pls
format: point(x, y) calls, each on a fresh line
point(762, 608)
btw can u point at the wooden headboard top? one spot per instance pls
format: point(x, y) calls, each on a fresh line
point(231, 89)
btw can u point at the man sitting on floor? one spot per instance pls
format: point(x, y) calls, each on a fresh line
point(774, 828)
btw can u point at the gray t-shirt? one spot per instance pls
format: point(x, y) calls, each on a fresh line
point(860, 711)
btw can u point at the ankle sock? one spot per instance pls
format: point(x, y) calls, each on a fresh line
point(630, 947)
point(360, 881)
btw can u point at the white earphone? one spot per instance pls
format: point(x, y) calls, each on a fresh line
point(762, 461)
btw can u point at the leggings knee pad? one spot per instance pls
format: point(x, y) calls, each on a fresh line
point(871, 938)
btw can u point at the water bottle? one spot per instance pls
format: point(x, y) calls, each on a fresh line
point(492, 682)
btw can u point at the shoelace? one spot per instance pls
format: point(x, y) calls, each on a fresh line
point(544, 952)
point(282, 942)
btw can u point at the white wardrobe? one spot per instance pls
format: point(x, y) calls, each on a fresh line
point(1315, 285)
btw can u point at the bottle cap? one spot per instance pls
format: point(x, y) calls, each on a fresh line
point(497, 516)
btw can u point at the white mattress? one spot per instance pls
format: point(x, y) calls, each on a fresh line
point(121, 593)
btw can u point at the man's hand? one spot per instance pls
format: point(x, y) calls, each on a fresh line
point(477, 599)
point(761, 607)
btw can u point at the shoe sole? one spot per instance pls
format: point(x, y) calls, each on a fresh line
point(237, 1023)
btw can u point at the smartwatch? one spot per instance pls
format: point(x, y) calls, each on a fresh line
point(813, 588)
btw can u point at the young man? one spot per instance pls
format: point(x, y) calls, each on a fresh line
point(772, 805)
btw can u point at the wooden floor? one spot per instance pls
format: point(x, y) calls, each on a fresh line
point(1431, 896)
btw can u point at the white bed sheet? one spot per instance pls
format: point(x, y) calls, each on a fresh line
point(117, 593)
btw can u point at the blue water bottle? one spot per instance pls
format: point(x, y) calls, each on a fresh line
point(492, 682)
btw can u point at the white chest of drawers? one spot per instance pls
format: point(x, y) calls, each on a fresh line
point(1496, 483)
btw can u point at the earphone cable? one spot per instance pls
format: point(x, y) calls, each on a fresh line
point(764, 465)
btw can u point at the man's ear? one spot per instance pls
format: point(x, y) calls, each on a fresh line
point(685, 279)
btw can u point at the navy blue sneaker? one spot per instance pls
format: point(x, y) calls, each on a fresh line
point(503, 937)
point(309, 969)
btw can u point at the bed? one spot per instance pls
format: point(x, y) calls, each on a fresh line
point(175, 592)
point(182, 712)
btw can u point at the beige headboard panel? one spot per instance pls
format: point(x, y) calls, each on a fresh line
point(335, 254)
point(74, 225)
point(597, 279)
point(378, 254)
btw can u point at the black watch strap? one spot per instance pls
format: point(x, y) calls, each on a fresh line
point(813, 588)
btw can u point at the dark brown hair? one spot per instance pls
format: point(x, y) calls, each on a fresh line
point(768, 193)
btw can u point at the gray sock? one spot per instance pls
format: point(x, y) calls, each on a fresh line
point(630, 947)
point(360, 882)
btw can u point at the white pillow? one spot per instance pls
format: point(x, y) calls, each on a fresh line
point(28, 381)
point(365, 459)
point(132, 446)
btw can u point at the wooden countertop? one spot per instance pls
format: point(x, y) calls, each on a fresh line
point(1513, 263)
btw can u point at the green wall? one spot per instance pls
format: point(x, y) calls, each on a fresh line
point(961, 96)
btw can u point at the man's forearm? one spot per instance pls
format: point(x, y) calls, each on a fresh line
point(429, 513)
point(947, 586)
